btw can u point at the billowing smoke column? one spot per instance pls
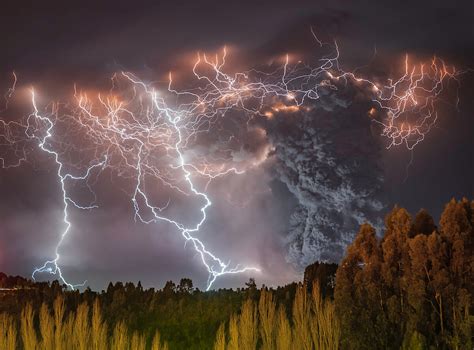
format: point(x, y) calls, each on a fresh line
point(166, 146)
point(325, 129)
point(329, 159)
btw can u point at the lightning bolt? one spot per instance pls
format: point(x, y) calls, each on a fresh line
point(215, 266)
point(142, 134)
point(51, 266)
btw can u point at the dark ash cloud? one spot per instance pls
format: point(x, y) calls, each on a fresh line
point(330, 161)
point(323, 177)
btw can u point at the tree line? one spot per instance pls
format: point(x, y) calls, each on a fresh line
point(409, 287)
point(413, 288)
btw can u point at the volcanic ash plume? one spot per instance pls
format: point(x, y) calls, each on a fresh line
point(329, 160)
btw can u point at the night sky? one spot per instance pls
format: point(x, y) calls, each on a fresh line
point(53, 45)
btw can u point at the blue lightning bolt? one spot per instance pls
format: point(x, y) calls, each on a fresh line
point(125, 132)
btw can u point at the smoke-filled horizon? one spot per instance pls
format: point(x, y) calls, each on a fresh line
point(305, 179)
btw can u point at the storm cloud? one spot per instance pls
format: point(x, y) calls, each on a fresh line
point(320, 172)
point(329, 159)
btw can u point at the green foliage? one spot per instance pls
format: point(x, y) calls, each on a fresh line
point(414, 341)
point(411, 289)
point(185, 317)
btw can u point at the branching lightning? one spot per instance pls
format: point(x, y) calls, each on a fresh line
point(52, 266)
point(147, 136)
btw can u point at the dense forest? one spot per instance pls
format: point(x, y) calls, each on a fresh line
point(411, 287)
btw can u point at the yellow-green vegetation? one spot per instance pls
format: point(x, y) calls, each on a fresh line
point(82, 329)
point(312, 324)
point(408, 287)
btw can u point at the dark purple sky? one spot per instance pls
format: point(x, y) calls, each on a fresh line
point(54, 44)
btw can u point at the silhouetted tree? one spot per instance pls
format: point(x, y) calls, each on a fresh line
point(324, 274)
point(169, 288)
point(418, 282)
point(423, 224)
point(185, 285)
point(395, 262)
point(359, 296)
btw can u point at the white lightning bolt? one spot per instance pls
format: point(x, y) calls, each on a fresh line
point(140, 134)
point(51, 266)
